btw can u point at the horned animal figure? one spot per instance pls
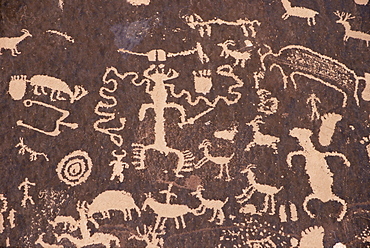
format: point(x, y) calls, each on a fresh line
point(301, 12)
point(260, 139)
point(317, 169)
point(240, 57)
point(17, 87)
point(12, 42)
point(348, 32)
point(118, 200)
point(215, 205)
point(222, 161)
point(149, 236)
point(166, 211)
point(270, 191)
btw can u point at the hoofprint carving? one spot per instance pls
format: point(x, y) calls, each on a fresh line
point(269, 191)
point(17, 88)
point(12, 42)
point(317, 169)
point(296, 60)
point(215, 205)
point(260, 139)
point(348, 32)
point(112, 200)
point(223, 162)
point(166, 211)
point(301, 12)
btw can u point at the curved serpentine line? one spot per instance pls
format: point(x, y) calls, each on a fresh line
point(106, 116)
point(239, 83)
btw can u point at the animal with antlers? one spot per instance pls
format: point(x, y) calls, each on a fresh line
point(149, 236)
point(166, 211)
point(301, 12)
point(259, 138)
point(240, 57)
point(12, 42)
point(348, 32)
point(215, 205)
point(222, 161)
point(269, 191)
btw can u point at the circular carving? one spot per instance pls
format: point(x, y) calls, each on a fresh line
point(74, 168)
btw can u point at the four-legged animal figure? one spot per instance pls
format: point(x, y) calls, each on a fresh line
point(259, 138)
point(270, 191)
point(317, 169)
point(215, 205)
point(222, 161)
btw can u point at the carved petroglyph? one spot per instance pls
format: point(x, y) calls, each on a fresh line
point(317, 169)
point(283, 214)
point(260, 139)
point(348, 32)
point(296, 60)
point(312, 237)
point(3, 209)
point(33, 154)
point(110, 102)
point(12, 42)
point(26, 185)
point(41, 242)
point(361, 2)
point(269, 191)
point(313, 100)
point(166, 211)
point(160, 55)
point(240, 57)
point(215, 205)
point(86, 238)
point(112, 200)
point(364, 236)
point(61, 4)
point(74, 168)
point(11, 218)
point(59, 122)
point(301, 12)
point(223, 162)
point(327, 128)
point(17, 87)
point(202, 81)
point(118, 165)
point(149, 236)
point(64, 35)
point(194, 21)
point(138, 2)
point(228, 134)
point(268, 104)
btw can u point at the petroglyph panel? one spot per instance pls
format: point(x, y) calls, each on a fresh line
point(157, 123)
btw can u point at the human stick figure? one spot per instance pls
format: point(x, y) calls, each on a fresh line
point(26, 186)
